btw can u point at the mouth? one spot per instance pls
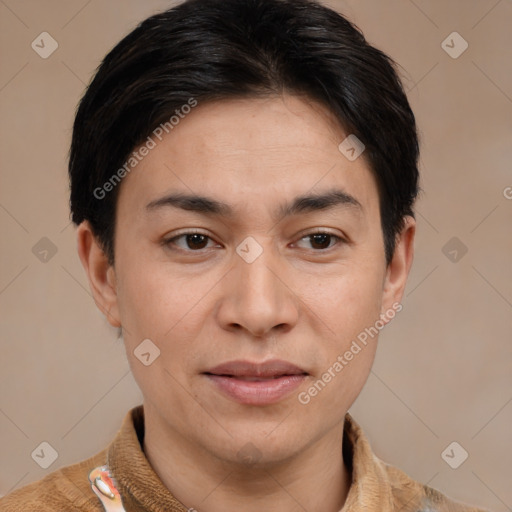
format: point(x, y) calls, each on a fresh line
point(250, 378)
point(247, 370)
point(256, 383)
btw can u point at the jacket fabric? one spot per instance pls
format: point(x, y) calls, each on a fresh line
point(376, 486)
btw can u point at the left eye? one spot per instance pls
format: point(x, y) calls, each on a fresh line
point(321, 240)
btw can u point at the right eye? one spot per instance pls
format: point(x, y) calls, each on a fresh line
point(192, 241)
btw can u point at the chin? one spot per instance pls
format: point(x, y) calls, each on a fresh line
point(256, 448)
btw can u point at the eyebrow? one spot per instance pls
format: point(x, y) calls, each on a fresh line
point(299, 205)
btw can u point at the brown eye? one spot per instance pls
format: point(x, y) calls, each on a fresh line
point(192, 241)
point(196, 241)
point(322, 240)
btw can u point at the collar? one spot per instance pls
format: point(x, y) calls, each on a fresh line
point(128, 471)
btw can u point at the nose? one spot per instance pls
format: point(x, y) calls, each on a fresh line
point(257, 297)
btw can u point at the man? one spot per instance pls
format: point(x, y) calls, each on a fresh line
point(243, 175)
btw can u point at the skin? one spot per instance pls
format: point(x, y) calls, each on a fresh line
point(203, 304)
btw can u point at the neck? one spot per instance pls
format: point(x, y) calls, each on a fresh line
point(314, 479)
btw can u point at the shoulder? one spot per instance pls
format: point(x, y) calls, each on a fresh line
point(67, 488)
point(410, 495)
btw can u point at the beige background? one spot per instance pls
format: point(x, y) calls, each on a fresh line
point(443, 369)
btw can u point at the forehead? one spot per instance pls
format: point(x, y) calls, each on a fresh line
point(254, 124)
point(250, 151)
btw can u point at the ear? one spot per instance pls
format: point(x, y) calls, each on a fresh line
point(398, 268)
point(102, 277)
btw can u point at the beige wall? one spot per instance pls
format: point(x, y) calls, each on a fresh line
point(443, 369)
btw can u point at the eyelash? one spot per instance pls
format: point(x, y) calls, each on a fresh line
point(170, 241)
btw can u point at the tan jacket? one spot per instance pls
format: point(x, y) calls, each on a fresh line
point(376, 486)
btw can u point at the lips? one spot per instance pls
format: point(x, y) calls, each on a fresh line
point(246, 370)
point(256, 383)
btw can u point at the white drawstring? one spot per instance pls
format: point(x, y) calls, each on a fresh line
point(104, 486)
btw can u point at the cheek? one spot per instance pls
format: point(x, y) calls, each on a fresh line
point(151, 303)
point(349, 300)
point(164, 306)
point(159, 307)
point(349, 308)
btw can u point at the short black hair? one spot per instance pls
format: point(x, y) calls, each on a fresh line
point(213, 50)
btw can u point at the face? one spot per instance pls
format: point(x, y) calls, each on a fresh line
point(252, 273)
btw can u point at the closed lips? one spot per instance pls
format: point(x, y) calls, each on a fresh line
point(247, 370)
point(252, 378)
